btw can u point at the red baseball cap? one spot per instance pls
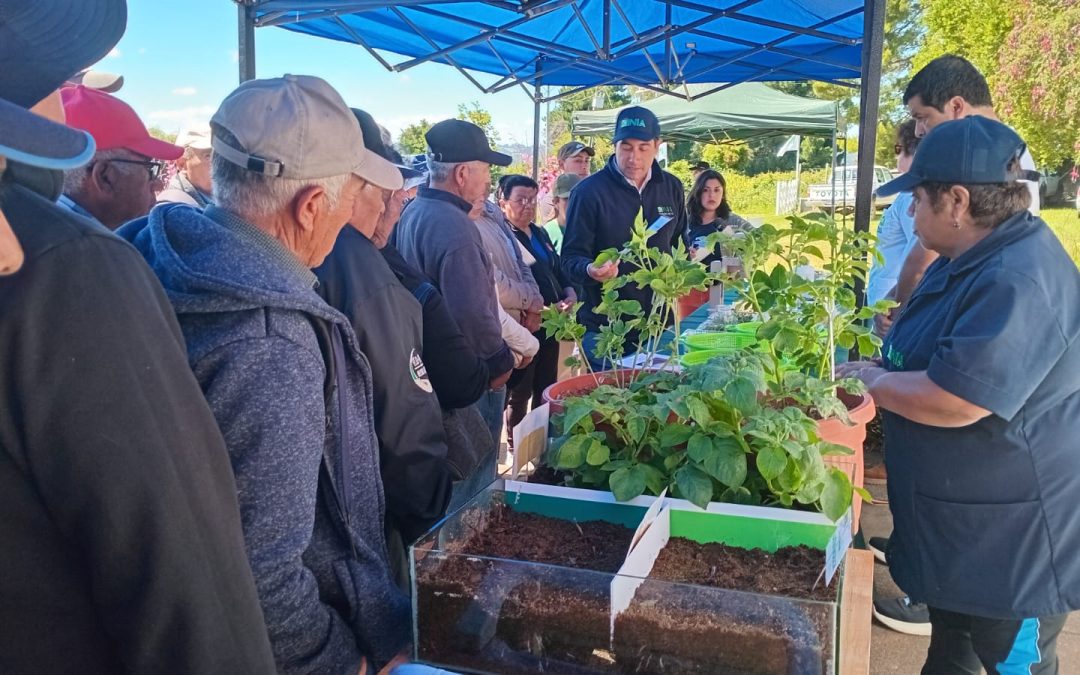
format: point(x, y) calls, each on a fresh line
point(113, 123)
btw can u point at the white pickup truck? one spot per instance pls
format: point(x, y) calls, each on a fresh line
point(820, 195)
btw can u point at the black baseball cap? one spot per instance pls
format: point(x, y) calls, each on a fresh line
point(636, 122)
point(43, 43)
point(455, 141)
point(970, 151)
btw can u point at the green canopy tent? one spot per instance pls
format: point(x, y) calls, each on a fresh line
point(740, 111)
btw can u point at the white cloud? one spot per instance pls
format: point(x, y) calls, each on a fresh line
point(185, 91)
point(142, 50)
point(114, 53)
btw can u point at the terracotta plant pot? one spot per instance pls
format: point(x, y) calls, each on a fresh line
point(861, 409)
point(691, 301)
point(583, 384)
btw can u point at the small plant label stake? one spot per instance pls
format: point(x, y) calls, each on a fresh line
point(838, 546)
point(640, 560)
point(530, 439)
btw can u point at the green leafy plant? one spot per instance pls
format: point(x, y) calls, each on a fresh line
point(716, 432)
point(801, 279)
point(669, 276)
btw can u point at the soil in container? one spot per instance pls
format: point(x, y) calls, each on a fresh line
point(490, 616)
point(681, 629)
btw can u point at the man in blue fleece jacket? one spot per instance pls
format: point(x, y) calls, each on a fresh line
point(289, 163)
point(602, 211)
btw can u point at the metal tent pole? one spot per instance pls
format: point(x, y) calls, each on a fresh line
point(869, 99)
point(246, 39)
point(537, 97)
point(832, 157)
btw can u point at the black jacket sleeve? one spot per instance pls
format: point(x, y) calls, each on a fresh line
point(459, 376)
point(579, 240)
point(122, 451)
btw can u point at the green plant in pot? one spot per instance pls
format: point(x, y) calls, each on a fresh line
point(716, 432)
point(630, 328)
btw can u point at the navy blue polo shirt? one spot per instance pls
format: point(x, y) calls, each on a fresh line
point(986, 517)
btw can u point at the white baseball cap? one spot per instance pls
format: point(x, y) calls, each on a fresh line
point(297, 126)
point(195, 136)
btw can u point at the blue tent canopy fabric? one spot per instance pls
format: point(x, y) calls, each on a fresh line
point(651, 43)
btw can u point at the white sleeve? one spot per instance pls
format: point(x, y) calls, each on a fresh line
point(1027, 162)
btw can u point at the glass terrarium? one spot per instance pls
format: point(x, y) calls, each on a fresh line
point(527, 581)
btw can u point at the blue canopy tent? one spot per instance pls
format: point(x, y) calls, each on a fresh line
point(662, 45)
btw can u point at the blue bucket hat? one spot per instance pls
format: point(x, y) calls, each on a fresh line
point(43, 43)
point(970, 151)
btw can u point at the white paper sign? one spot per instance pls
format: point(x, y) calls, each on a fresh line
point(639, 563)
point(838, 546)
point(530, 439)
point(640, 360)
point(647, 519)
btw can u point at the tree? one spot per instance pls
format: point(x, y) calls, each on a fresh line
point(481, 118)
point(412, 139)
point(1027, 50)
point(160, 134)
point(559, 119)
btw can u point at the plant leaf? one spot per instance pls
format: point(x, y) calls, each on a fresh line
point(699, 412)
point(571, 453)
point(742, 394)
point(576, 409)
point(675, 434)
point(699, 447)
point(865, 495)
point(636, 427)
point(598, 454)
point(771, 460)
point(836, 497)
point(627, 483)
point(694, 485)
point(726, 463)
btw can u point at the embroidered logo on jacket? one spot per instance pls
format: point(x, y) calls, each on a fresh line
point(418, 371)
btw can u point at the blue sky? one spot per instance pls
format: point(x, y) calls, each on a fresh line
point(179, 60)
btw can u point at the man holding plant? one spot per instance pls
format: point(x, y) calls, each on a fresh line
point(602, 212)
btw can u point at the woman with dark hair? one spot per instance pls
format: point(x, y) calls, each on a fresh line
point(709, 211)
point(980, 392)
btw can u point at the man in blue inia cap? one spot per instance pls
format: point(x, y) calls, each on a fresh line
point(122, 549)
point(602, 211)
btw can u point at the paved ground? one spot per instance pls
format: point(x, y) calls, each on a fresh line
point(895, 653)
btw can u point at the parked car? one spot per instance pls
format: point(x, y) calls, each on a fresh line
point(1059, 186)
point(820, 195)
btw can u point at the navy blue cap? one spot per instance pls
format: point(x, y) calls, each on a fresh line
point(970, 151)
point(636, 122)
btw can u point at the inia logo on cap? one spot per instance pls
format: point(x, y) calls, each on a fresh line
point(632, 122)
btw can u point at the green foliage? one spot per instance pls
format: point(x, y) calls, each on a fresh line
point(810, 312)
point(412, 137)
point(559, 119)
point(162, 135)
point(716, 432)
point(721, 156)
point(974, 29)
point(481, 118)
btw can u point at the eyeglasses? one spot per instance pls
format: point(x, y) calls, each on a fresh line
point(153, 166)
point(520, 201)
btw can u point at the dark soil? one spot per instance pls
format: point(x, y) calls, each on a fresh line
point(683, 629)
point(505, 617)
point(790, 572)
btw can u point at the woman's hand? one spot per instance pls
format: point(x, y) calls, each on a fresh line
point(866, 371)
point(568, 301)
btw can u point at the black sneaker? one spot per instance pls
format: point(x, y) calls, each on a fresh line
point(903, 615)
point(877, 546)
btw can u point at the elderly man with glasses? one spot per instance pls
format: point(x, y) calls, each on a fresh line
point(120, 182)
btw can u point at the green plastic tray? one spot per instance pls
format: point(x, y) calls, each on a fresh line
point(745, 328)
point(729, 341)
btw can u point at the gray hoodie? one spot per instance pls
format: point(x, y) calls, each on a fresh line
point(246, 306)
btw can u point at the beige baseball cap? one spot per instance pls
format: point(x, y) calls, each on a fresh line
point(196, 136)
point(297, 126)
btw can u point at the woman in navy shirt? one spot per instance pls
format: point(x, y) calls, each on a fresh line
point(980, 387)
point(708, 211)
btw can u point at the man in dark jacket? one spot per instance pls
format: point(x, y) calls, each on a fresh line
point(282, 370)
point(437, 237)
point(122, 549)
point(356, 281)
point(602, 211)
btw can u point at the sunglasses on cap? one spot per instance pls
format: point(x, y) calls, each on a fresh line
point(153, 166)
